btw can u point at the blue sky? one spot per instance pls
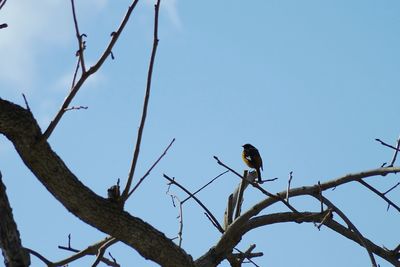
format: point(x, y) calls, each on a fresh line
point(310, 83)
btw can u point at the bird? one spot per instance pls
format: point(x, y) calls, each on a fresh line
point(252, 158)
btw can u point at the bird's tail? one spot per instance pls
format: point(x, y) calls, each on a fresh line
point(259, 175)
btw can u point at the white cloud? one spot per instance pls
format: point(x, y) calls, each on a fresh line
point(35, 27)
point(171, 9)
point(172, 12)
point(32, 26)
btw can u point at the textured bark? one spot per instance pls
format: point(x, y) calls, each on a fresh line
point(10, 243)
point(19, 126)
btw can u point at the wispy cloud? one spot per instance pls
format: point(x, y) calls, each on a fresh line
point(32, 27)
point(172, 12)
point(35, 27)
point(171, 9)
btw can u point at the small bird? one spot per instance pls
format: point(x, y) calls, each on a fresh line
point(252, 158)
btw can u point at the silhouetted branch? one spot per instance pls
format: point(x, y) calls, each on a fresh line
point(88, 73)
point(390, 189)
point(391, 256)
point(382, 195)
point(125, 193)
point(234, 232)
point(351, 226)
point(79, 37)
point(288, 186)
point(151, 168)
point(204, 186)
point(248, 254)
point(39, 256)
point(180, 216)
point(102, 250)
point(92, 250)
point(26, 103)
point(395, 153)
point(386, 144)
point(2, 3)
point(208, 212)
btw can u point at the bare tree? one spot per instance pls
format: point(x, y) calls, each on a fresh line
point(109, 216)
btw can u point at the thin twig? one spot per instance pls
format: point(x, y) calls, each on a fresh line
point(248, 258)
point(390, 189)
point(2, 3)
point(125, 193)
point(26, 103)
point(76, 108)
point(390, 203)
point(204, 186)
point(288, 186)
point(75, 74)
point(79, 37)
point(88, 73)
point(385, 144)
point(90, 250)
point(325, 219)
point(180, 216)
point(395, 153)
point(208, 212)
point(102, 250)
point(39, 256)
point(351, 226)
point(151, 168)
point(180, 233)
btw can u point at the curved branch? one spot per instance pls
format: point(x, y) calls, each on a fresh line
point(351, 226)
point(230, 237)
point(19, 126)
point(390, 256)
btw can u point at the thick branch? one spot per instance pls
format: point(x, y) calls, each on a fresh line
point(263, 220)
point(230, 238)
point(19, 126)
point(10, 242)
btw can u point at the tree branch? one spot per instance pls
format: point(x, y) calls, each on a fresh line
point(79, 37)
point(208, 212)
point(125, 193)
point(382, 195)
point(230, 238)
point(19, 126)
point(351, 226)
point(90, 250)
point(151, 168)
point(10, 243)
point(87, 74)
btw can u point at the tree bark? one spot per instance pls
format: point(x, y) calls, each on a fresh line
point(20, 127)
point(14, 253)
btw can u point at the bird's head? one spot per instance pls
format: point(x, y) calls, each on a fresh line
point(247, 146)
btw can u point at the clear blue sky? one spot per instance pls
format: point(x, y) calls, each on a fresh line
point(310, 83)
